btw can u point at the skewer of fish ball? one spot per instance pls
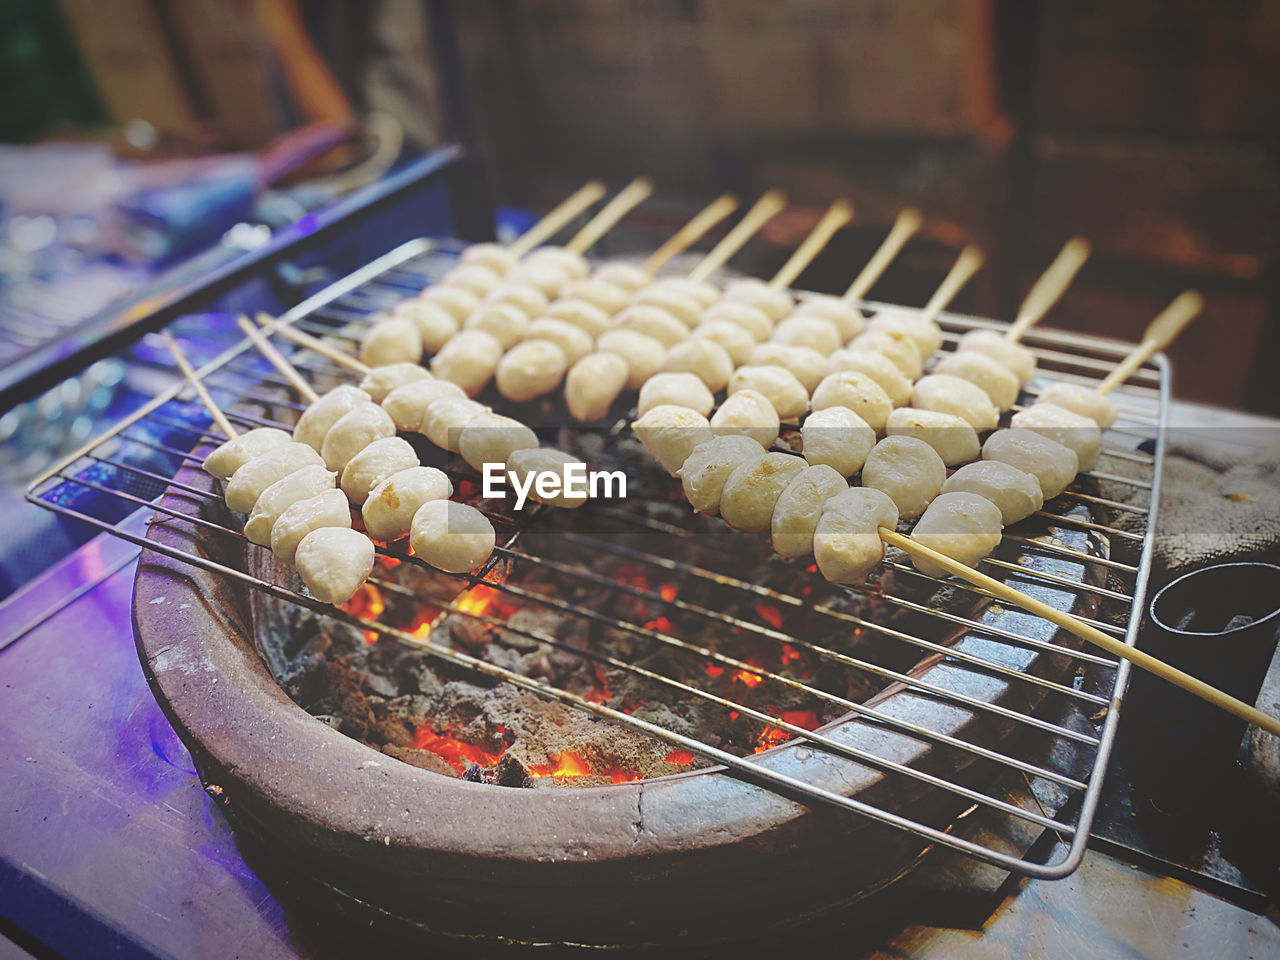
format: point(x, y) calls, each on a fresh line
point(311, 523)
point(381, 475)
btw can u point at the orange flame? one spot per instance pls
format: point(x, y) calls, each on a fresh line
point(477, 600)
point(367, 603)
point(679, 757)
point(457, 753)
point(773, 736)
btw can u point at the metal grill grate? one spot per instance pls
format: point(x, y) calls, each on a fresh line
point(1065, 553)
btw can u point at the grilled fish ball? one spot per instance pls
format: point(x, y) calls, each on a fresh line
point(991, 376)
point(444, 419)
point(574, 264)
point(924, 333)
point(455, 301)
point(373, 464)
point(837, 437)
point(749, 413)
point(1069, 429)
point(628, 276)
point(308, 482)
point(1079, 400)
point(779, 385)
point(225, 459)
point(858, 392)
point(587, 317)
point(641, 352)
point(247, 483)
point(806, 364)
point(524, 295)
point(1016, 494)
point(609, 297)
point(468, 360)
point(1020, 361)
point(406, 405)
point(707, 468)
point(536, 460)
point(806, 330)
point(736, 341)
point(388, 513)
point(475, 277)
point(353, 432)
point(670, 433)
point(898, 347)
point(751, 492)
point(704, 293)
point(593, 383)
point(947, 394)
point(962, 526)
point(704, 358)
point(492, 255)
point(876, 366)
point(547, 277)
point(435, 324)
point(653, 322)
point(328, 509)
point(684, 308)
point(492, 438)
point(334, 562)
point(908, 470)
point(680, 389)
point(846, 542)
point(450, 536)
point(796, 515)
point(1052, 464)
point(953, 439)
point(391, 340)
point(751, 319)
point(380, 381)
point(776, 304)
point(325, 412)
point(530, 369)
point(575, 342)
point(505, 322)
point(847, 318)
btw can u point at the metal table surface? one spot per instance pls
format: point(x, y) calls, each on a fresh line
point(110, 847)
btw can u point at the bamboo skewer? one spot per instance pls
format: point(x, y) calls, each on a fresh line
point(558, 217)
point(632, 194)
point(691, 232)
point(761, 212)
point(314, 345)
point(837, 215)
point(1086, 632)
point(220, 418)
point(904, 227)
point(277, 360)
point(966, 265)
point(1158, 335)
point(1046, 291)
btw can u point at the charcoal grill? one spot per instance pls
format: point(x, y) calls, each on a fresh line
point(831, 815)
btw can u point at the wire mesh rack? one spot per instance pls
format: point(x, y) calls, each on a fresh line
point(1085, 551)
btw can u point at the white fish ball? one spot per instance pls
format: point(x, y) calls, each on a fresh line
point(858, 392)
point(389, 510)
point(704, 358)
point(308, 482)
point(678, 388)
point(846, 542)
point(328, 509)
point(231, 455)
point(531, 369)
point(325, 412)
point(492, 438)
point(962, 526)
point(989, 375)
point(450, 536)
point(575, 342)
point(505, 322)
point(1020, 361)
point(751, 491)
point(837, 437)
point(593, 384)
point(749, 413)
point(373, 464)
point(247, 483)
point(953, 439)
point(391, 340)
point(847, 318)
point(707, 468)
point(468, 360)
point(806, 330)
point(641, 352)
point(1098, 407)
point(1052, 464)
point(380, 381)
point(670, 433)
point(808, 365)
point(876, 366)
point(406, 405)
point(908, 470)
point(334, 562)
point(1079, 433)
point(960, 398)
point(787, 394)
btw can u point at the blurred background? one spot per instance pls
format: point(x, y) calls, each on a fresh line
point(147, 141)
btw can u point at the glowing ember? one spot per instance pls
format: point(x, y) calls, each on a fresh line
point(662, 625)
point(714, 669)
point(668, 592)
point(457, 753)
point(366, 603)
point(789, 653)
point(747, 678)
point(773, 736)
point(477, 600)
point(680, 757)
point(567, 764)
point(770, 614)
point(422, 630)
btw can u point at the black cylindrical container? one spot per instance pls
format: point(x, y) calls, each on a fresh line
point(1219, 624)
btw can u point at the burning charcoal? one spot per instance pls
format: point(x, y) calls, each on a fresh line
point(510, 772)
